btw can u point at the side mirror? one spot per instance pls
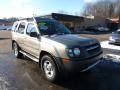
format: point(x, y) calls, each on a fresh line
point(38, 36)
point(33, 34)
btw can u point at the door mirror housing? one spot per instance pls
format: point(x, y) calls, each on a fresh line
point(38, 36)
point(33, 34)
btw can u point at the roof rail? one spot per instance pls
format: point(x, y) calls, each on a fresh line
point(34, 19)
point(28, 19)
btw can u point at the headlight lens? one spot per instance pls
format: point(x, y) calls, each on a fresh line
point(70, 52)
point(76, 51)
point(73, 52)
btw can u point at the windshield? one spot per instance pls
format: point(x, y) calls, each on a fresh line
point(52, 27)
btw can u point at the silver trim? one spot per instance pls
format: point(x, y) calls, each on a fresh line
point(90, 66)
point(29, 56)
point(94, 47)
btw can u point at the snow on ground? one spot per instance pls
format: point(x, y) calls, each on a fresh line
point(113, 56)
point(4, 85)
point(105, 44)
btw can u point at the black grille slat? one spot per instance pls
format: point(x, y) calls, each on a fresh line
point(92, 45)
point(92, 49)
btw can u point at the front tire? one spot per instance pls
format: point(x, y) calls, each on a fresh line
point(49, 68)
point(16, 50)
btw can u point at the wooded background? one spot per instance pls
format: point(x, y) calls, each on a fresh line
point(103, 8)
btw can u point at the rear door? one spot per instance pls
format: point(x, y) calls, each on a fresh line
point(13, 31)
point(32, 43)
point(19, 34)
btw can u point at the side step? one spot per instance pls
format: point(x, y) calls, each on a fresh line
point(29, 56)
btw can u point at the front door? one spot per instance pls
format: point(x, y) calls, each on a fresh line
point(32, 43)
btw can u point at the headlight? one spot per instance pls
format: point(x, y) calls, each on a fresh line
point(70, 53)
point(75, 52)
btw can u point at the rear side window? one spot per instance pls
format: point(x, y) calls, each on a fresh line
point(15, 25)
point(21, 28)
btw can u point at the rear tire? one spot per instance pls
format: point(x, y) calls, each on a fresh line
point(16, 51)
point(49, 68)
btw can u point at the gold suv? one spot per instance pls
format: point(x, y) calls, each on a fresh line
point(54, 47)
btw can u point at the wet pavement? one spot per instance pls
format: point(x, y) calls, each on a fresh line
point(24, 74)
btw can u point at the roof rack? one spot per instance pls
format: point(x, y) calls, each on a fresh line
point(36, 19)
point(28, 19)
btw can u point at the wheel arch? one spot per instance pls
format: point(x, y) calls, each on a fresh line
point(13, 42)
point(42, 53)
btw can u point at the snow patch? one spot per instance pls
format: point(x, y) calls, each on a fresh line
point(105, 44)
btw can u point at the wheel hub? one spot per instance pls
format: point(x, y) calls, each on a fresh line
point(15, 50)
point(48, 68)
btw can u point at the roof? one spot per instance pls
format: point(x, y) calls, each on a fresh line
point(37, 19)
point(56, 16)
point(66, 17)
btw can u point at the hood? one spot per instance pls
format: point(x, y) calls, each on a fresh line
point(72, 40)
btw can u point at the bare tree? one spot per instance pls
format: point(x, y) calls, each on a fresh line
point(118, 9)
point(104, 8)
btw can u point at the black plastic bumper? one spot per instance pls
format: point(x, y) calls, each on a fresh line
point(80, 65)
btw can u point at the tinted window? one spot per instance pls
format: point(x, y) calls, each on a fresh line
point(30, 28)
point(21, 28)
point(52, 27)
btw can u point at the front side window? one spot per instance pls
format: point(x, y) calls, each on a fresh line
point(31, 29)
point(21, 28)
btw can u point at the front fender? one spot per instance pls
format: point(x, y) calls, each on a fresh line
point(50, 49)
point(55, 48)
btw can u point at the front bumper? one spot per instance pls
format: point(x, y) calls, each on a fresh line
point(81, 66)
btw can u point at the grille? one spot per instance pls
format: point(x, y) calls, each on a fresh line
point(93, 49)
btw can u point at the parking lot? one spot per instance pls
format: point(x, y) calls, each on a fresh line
point(24, 74)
